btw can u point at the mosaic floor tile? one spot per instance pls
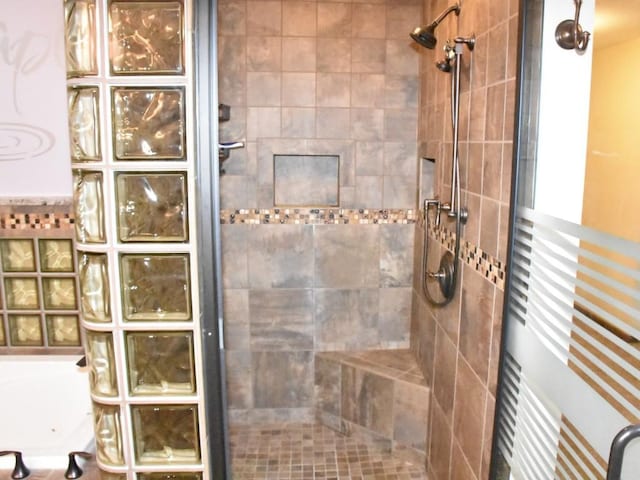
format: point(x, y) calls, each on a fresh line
point(307, 451)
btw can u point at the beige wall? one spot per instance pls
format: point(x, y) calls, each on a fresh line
point(613, 170)
point(458, 345)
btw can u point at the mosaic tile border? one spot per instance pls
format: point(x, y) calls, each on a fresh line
point(23, 216)
point(36, 221)
point(490, 267)
point(318, 216)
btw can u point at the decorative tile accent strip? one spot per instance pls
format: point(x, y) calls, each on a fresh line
point(490, 267)
point(44, 216)
point(26, 221)
point(318, 216)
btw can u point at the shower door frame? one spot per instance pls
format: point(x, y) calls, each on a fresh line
point(209, 251)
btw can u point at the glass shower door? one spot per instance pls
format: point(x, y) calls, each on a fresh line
point(570, 374)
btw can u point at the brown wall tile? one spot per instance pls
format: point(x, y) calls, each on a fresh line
point(468, 417)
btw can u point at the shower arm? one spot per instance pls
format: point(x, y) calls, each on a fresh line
point(453, 8)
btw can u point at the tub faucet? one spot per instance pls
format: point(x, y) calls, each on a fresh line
point(74, 470)
point(20, 470)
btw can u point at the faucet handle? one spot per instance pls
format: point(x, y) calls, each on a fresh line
point(73, 469)
point(20, 470)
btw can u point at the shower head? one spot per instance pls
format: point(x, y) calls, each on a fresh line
point(444, 65)
point(425, 36)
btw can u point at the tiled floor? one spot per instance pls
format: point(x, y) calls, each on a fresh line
point(296, 452)
point(306, 451)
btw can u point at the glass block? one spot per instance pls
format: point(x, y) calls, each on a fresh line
point(101, 361)
point(170, 476)
point(165, 434)
point(17, 255)
point(148, 123)
point(108, 434)
point(63, 330)
point(56, 255)
point(59, 293)
point(80, 37)
point(25, 330)
point(156, 287)
point(93, 277)
point(152, 207)
point(146, 37)
point(88, 205)
point(160, 363)
point(84, 133)
point(21, 293)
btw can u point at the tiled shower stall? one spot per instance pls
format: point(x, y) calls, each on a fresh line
point(321, 226)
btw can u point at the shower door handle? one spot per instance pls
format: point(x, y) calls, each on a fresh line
point(618, 446)
point(224, 149)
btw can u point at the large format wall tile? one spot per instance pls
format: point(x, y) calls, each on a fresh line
point(280, 256)
point(281, 319)
point(367, 400)
point(346, 319)
point(282, 379)
point(347, 256)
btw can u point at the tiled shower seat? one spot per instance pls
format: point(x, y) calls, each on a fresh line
point(379, 394)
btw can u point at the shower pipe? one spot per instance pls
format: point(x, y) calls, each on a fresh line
point(447, 273)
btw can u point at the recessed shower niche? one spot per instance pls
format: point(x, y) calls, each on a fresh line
point(306, 180)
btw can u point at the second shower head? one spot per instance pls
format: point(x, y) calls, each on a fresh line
point(425, 35)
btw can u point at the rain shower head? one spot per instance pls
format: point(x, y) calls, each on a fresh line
point(425, 36)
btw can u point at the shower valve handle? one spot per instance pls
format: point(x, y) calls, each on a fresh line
point(432, 203)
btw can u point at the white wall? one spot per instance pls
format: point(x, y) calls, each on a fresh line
point(34, 145)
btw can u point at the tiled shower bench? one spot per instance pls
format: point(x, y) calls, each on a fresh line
point(378, 394)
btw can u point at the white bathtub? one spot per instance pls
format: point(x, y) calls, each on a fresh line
point(45, 410)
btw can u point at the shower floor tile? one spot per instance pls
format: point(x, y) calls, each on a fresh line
point(307, 451)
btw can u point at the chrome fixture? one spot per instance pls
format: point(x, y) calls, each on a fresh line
point(425, 35)
point(618, 446)
point(447, 272)
point(20, 470)
point(569, 33)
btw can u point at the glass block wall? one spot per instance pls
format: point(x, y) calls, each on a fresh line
point(130, 94)
point(38, 296)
